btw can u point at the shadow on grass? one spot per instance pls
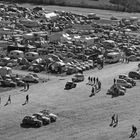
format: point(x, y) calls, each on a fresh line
point(27, 126)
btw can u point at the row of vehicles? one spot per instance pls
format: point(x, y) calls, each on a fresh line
point(43, 117)
point(123, 82)
point(13, 80)
point(79, 77)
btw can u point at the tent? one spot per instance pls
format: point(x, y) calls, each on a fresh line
point(51, 15)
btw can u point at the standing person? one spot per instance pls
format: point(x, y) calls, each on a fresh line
point(114, 81)
point(99, 85)
point(102, 64)
point(28, 86)
point(116, 121)
point(128, 59)
point(97, 80)
point(94, 80)
point(9, 100)
point(89, 79)
point(24, 87)
point(27, 99)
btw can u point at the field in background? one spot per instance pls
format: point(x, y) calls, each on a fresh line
point(102, 13)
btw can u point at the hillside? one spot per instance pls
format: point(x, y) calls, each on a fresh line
point(118, 5)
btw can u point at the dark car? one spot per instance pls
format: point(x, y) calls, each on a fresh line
point(134, 75)
point(70, 85)
point(31, 121)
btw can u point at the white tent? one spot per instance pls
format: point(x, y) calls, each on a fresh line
point(51, 15)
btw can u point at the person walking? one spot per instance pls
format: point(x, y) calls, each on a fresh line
point(134, 131)
point(8, 101)
point(92, 92)
point(113, 121)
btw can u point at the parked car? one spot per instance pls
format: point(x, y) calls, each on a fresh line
point(133, 58)
point(129, 80)
point(30, 78)
point(123, 83)
point(70, 85)
point(116, 90)
point(31, 121)
point(19, 81)
point(40, 116)
point(134, 75)
point(8, 83)
point(78, 77)
point(53, 117)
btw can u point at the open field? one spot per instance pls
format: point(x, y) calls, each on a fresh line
point(80, 117)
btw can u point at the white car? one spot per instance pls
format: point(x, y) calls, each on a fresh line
point(30, 78)
point(123, 83)
point(78, 77)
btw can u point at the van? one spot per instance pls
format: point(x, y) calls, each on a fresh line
point(16, 54)
point(113, 57)
point(31, 56)
point(78, 77)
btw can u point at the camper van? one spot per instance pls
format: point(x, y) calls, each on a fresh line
point(31, 56)
point(16, 54)
point(113, 57)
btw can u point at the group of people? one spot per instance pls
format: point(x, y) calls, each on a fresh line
point(125, 59)
point(114, 123)
point(95, 83)
point(9, 101)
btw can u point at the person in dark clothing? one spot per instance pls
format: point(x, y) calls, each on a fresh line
point(97, 80)
point(89, 80)
point(134, 131)
point(99, 85)
point(94, 80)
point(9, 99)
point(92, 92)
point(24, 86)
point(114, 81)
point(27, 86)
point(27, 99)
point(113, 121)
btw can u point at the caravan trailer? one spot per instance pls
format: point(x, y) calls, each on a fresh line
point(113, 57)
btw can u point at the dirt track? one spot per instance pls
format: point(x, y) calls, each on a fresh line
point(80, 117)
